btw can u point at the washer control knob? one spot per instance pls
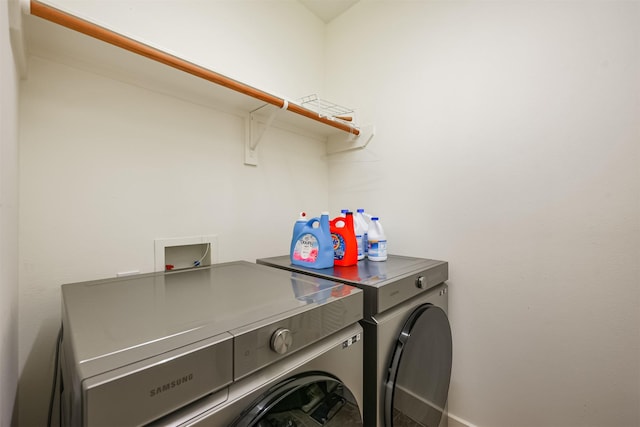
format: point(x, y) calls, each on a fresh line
point(420, 282)
point(281, 340)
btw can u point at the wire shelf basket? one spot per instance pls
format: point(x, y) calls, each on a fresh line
point(328, 109)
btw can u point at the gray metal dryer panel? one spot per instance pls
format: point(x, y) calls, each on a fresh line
point(385, 283)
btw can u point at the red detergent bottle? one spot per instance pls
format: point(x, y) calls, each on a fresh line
point(345, 245)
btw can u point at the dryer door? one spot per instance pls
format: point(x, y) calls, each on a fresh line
point(303, 400)
point(418, 382)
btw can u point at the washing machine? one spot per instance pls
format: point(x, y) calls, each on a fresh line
point(408, 342)
point(234, 344)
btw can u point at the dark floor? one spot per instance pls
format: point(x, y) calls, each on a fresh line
point(401, 420)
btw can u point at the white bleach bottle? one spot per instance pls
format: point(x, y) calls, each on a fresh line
point(361, 227)
point(377, 241)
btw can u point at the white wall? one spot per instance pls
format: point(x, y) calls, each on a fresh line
point(8, 221)
point(107, 167)
point(508, 143)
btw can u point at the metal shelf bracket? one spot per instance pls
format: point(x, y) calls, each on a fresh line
point(254, 132)
point(340, 143)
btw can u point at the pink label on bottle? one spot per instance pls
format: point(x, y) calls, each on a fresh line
point(306, 249)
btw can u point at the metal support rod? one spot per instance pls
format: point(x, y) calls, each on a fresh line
point(256, 136)
point(57, 16)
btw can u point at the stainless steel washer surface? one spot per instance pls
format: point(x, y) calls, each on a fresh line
point(230, 344)
point(408, 342)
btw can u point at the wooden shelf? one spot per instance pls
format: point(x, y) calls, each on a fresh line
point(55, 34)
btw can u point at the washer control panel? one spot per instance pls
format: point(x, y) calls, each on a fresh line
point(259, 344)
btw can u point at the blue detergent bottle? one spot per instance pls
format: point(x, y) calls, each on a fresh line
point(312, 246)
point(297, 228)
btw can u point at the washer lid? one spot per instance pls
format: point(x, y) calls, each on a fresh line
point(116, 322)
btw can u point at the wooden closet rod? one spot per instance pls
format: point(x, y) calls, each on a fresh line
point(74, 23)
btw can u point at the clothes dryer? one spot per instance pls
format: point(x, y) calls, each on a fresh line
point(408, 342)
point(235, 344)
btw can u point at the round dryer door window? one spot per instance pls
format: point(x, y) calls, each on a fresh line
point(312, 399)
point(420, 372)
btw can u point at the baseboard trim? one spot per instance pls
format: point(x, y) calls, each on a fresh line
point(455, 421)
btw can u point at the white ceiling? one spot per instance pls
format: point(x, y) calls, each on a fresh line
point(328, 9)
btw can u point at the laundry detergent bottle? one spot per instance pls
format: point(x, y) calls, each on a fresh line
point(377, 241)
point(361, 227)
point(345, 246)
point(312, 245)
point(297, 228)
